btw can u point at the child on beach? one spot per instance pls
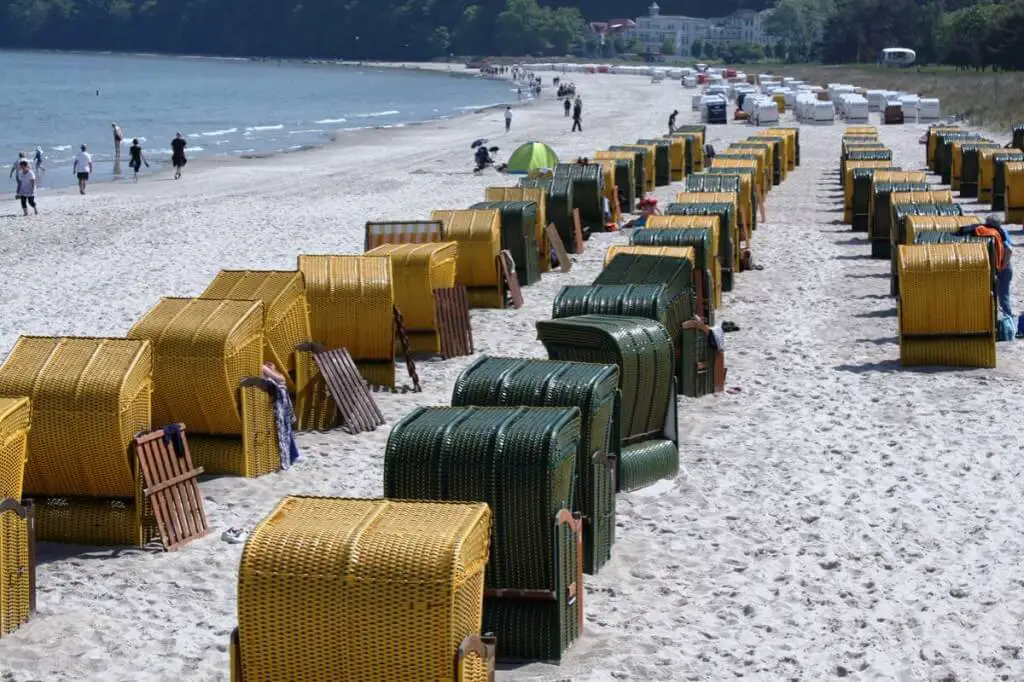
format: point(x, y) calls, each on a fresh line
point(26, 187)
point(82, 168)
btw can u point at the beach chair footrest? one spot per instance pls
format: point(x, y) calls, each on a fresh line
point(645, 463)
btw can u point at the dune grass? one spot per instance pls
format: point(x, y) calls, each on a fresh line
point(991, 99)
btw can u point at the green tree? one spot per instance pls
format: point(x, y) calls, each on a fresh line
point(800, 24)
point(697, 49)
point(742, 53)
point(668, 46)
point(710, 50)
point(439, 41)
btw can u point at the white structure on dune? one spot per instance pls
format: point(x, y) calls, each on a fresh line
point(742, 26)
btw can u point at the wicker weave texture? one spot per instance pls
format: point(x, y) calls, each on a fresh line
point(15, 419)
point(916, 224)
point(702, 240)
point(16, 569)
point(930, 197)
point(790, 136)
point(356, 590)
point(352, 302)
point(949, 352)
point(507, 382)
point(100, 522)
point(677, 157)
point(645, 158)
point(89, 398)
point(932, 142)
point(684, 252)
point(202, 349)
point(418, 269)
point(647, 462)
point(987, 169)
point(403, 232)
point(945, 289)
point(761, 156)
point(540, 198)
point(285, 310)
point(1014, 174)
point(479, 237)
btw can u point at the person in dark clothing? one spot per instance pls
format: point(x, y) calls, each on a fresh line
point(672, 121)
point(178, 159)
point(483, 157)
point(577, 120)
point(568, 107)
point(135, 158)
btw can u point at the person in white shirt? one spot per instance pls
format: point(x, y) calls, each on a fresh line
point(26, 187)
point(508, 118)
point(16, 166)
point(83, 166)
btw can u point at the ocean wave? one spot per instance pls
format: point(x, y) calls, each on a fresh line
point(376, 114)
point(328, 121)
point(218, 133)
point(478, 106)
point(61, 148)
point(305, 132)
point(259, 129)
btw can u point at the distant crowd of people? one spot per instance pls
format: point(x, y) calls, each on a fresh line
point(26, 173)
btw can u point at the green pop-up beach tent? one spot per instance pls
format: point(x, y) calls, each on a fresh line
point(531, 156)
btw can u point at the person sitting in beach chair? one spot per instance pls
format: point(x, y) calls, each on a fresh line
point(647, 206)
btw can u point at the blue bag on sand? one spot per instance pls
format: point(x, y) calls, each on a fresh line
point(1006, 330)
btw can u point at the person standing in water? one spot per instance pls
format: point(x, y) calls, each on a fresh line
point(16, 166)
point(178, 159)
point(39, 159)
point(508, 118)
point(118, 136)
point(26, 187)
point(82, 168)
point(135, 158)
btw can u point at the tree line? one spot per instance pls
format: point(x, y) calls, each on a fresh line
point(964, 33)
point(350, 29)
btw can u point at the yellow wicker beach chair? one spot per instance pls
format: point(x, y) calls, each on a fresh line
point(206, 354)
point(677, 158)
point(762, 158)
point(351, 590)
point(538, 196)
point(15, 417)
point(916, 224)
point(417, 270)
point(286, 313)
point(478, 233)
point(1014, 171)
point(352, 300)
point(89, 397)
point(402, 232)
point(790, 136)
point(946, 306)
point(17, 530)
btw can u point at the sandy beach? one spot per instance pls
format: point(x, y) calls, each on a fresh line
point(836, 515)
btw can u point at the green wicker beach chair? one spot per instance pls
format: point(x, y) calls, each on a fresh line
point(736, 173)
point(727, 213)
point(999, 162)
point(560, 210)
point(969, 167)
point(880, 228)
point(639, 167)
point(522, 462)
point(662, 160)
point(503, 382)
point(861, 197)
point(518, 236)
point(587, 193)
point(778, 155)
point(944, 151)
point(643, 351)
point(700, 240)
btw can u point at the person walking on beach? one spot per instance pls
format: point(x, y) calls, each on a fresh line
point(568, 107)
point(26, 187)
point(135, 158)
point(39, 159)
point(672, 121)
point(508, 118)
point(577, 116)
point(82, 168)
point(178, 159)
point(16, 166)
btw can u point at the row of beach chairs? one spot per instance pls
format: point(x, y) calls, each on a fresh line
point(944, 281)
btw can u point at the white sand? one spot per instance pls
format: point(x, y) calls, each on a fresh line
point(836, 515)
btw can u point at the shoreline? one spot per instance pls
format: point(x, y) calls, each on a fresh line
point(336, 137)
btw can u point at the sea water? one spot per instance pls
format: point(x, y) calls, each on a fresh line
point(59, 101)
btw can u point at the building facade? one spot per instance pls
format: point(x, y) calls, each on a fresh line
point(654, 30)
